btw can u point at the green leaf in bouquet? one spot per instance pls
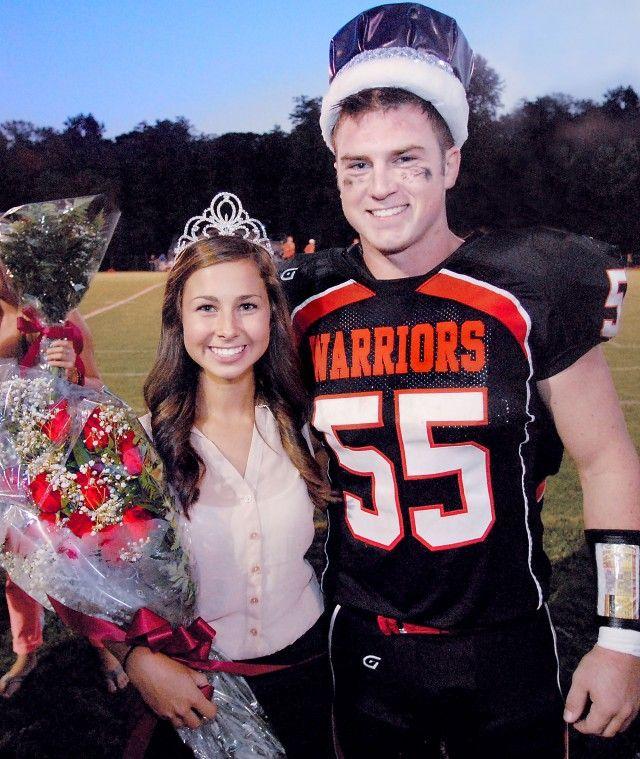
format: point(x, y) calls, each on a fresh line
point(81, 454)
point(66, 246)
point(175, 542)
point(148, 483)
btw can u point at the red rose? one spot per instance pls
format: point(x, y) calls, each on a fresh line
point(95, 493)
point(46, 498)
point(130, 454)
point(58, 426)
point(93, 433)
point(132, 460)
point(79, 524)
point(126, 440)
point(108, 533)
point(137, 514)
point(139, 521)
point(48, 518)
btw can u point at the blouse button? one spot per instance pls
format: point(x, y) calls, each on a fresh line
point(253, 631)
point(255, 569)
point(248, 499)
point(253, 600)
point(254, 535)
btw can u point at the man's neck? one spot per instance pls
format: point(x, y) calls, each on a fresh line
point(415, 260)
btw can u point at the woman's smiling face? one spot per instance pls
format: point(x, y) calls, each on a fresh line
point(226, 318)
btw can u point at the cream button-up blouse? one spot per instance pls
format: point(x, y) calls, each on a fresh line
point(248, 537)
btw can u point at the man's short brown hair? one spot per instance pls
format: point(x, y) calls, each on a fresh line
point(386, 98)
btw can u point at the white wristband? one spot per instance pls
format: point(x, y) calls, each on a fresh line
point(620, 639)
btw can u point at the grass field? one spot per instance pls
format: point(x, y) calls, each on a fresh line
point(125, 335)
point(122, 310)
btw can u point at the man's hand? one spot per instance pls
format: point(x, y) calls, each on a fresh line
point(171, 689)
point(611, 681)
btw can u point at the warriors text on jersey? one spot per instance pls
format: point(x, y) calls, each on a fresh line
point(425, 393)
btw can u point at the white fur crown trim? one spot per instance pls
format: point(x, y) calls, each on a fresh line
point(422, 77)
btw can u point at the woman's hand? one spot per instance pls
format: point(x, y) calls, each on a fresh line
point(61, 353)
point(170, 688)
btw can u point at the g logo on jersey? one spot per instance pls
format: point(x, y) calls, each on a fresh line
point(288, 274)
point(371, 661)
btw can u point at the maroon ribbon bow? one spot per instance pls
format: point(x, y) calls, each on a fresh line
point(30, 324)
point(188, 645)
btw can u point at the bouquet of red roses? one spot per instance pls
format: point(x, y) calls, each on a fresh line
point(95, 506)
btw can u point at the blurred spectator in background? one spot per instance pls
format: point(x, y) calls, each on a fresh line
point(310, 247)
point(288, 248)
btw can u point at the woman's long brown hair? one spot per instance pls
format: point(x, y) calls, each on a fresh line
point(170, 390)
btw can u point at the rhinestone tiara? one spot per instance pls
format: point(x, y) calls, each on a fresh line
point(227, 217)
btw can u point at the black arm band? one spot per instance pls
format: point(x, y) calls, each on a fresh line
point(127, 655)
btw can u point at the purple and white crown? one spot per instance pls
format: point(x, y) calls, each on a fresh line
point(404, 45)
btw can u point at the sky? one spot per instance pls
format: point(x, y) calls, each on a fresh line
point(237, 66)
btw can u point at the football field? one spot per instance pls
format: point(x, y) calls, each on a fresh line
point(122, 310)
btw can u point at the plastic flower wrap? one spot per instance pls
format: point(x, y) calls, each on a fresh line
point(88, 526)
point(51, 251)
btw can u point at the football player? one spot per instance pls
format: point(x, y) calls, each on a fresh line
point(448, 376)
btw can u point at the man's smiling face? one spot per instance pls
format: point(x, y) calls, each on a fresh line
point(393, 178)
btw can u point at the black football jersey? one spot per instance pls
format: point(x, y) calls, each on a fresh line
point(425, 395)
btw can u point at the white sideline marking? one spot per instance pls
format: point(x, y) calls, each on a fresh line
point(126, 350)
point(124, 374)
point(625, 368)
point(630, 403)
point(119, 303)
point(622, 346)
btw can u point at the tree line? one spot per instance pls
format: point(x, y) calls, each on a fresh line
point(555, 160)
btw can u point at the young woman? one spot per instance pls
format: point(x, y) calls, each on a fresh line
point(227, 412)
point(25, 614)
